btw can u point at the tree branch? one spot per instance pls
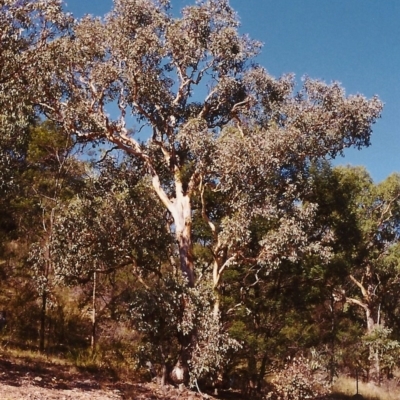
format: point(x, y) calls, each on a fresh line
point(357, 302)
point(361, 286)
point(218, 272)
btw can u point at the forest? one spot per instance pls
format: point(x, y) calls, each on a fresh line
point(167, 205)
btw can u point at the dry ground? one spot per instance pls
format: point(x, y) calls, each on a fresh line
point(41, 379)
point(24, 378)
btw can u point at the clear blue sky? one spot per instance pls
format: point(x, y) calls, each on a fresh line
point(355, 42)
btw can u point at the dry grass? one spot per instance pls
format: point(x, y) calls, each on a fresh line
point(387, 391)
point(79, 360)
point(32, 356)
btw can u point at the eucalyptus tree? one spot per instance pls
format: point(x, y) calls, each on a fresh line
point(365, 220)
point(373, 210)
point(373, 273)
point(217, 122)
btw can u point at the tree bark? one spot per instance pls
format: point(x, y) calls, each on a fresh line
point(374, 370)
point(42, 332)
point(181, 211)
point(261, 373)
point(216, 309)
point(184, 239)
point(93, 337)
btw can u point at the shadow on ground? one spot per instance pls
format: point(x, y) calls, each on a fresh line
point(28, 373)
point(25, 372)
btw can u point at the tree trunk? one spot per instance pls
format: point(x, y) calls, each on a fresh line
point(332, 364)
point(371, 309)
point(42, 332)
point(216, 304)
point(220, 264)
point(216, 286)
point(93, 337)
point(181, 211)
point(261, 373)
point(164, 375)
point(184, 238)
point(374, 368)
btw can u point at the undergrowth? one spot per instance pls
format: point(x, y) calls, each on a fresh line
point(388, 390)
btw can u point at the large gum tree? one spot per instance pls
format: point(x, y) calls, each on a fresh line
point(216, 121)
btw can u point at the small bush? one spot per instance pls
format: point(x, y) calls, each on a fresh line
point(298, 380)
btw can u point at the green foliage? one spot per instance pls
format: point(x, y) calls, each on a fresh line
point(168, 314)
point(299, 379)
point(380, 343)
point(119, 222)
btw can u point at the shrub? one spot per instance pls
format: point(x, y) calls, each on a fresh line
point(299, 379)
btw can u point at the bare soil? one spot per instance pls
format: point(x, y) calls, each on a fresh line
point(37, 380)
point(28, 378)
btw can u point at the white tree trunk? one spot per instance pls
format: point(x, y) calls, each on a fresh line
point(181, 211)
point(182, 214)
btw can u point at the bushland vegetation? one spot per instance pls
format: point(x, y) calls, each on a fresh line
point(167, 203)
